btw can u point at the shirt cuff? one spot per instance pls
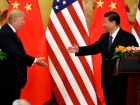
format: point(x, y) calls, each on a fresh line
point(34, 61)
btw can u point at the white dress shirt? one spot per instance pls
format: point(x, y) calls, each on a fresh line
point(114, 34)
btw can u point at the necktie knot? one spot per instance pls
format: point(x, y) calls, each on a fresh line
point(110, 42)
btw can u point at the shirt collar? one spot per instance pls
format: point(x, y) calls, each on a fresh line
point(12, 27)
point(115, 33)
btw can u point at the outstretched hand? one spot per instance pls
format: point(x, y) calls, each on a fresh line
point(73, 49)
point(40, 62)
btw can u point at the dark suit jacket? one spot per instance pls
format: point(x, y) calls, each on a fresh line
point(122, 38)
point(13, 70)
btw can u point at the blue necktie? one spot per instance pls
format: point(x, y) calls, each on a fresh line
point(110, 42)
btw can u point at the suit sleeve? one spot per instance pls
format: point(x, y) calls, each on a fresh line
point(12, 49)
point(89, 50)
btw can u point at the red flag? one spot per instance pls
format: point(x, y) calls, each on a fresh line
point(37, 90)
point(72, 77)
point(136, 27)
point(96, 30)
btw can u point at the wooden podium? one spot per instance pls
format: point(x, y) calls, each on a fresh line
point(130, 67)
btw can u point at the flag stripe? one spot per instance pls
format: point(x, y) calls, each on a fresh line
point(71, 37)
point(67, 29)
point(79, 11)
point(67, 71)
point(67, 26)
point(136, 36)
point(65, 37)
point(138, 16)
point(136, 26)
point(61, 31)
point(78, 24)
point(57, 79)
point(61, 74)
point(72, 40)
point(75, 12)
point(73, 27)
point(78, 36)
point(71, 65)
point(82, 59)
point(55, 89)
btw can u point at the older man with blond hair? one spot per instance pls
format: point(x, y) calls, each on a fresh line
point(13, 70)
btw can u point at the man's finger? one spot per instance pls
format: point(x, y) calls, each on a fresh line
point(75, 45)
point(42, 58)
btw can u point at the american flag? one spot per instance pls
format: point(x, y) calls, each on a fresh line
point(136, 27)
point(72, 77)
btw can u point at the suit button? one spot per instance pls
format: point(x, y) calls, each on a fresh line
point(106, 59)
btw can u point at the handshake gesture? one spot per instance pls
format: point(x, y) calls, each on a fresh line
point(71, 49)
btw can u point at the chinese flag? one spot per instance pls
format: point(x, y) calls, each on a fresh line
point(38, 88)
point(96, 30)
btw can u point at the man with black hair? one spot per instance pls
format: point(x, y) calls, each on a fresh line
point(113, 86)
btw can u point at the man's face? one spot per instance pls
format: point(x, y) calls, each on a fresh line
point(18, 23)
point(108, 25)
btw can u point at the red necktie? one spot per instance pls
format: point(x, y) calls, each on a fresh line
point(18, 36)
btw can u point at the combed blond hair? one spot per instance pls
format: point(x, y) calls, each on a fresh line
point(14, 14)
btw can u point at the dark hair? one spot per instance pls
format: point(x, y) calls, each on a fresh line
point(113, 16)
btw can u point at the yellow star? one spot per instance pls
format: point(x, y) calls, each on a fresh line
point(15, 5)
point(100, 3)
point(28, 7)
point(112, 5)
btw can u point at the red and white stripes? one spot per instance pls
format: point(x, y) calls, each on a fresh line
point(136, 27)
point(72, 77)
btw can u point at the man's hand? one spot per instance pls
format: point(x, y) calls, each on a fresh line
point(73, 49)
point(40, 62)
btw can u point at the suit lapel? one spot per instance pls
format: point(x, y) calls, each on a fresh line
point(19, 43)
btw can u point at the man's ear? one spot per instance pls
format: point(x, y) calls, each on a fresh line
point(13, 22)
point(113, 23)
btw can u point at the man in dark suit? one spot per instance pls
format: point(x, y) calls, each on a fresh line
point(13, 70)
point(113, 86)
